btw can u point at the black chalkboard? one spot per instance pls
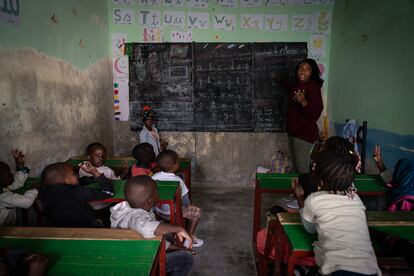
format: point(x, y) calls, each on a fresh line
point(212, 86)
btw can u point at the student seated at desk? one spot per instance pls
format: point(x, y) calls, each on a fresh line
point(137, 213)
point(65, 201)
point(10, 182)
point(97, 156)
point(145, 160)
point(400, 182)
point(337, 214)
point(149, 134)
point(168, 164)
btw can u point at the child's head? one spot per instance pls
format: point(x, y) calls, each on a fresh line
point(141, 192)
point(96, 154)
point(334, 171)
point(334, 143)
point(6, 176)
point(144, 154)
point(148, 118)
point(167, 161)
point(59, 173)
point(306, 70)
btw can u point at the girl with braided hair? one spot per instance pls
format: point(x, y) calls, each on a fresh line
point(336, 213)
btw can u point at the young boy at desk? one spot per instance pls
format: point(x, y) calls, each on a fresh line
point(169, 165)
point(137, 213)
point(65, 201)
point(97, 156)
point(9, 182)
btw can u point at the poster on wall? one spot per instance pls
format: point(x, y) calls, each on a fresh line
point(197, 3)
point(150, 3)
point(150, 18)
point(251, 21)
point(228, 3)
point(181, 36)
point(323, 22)
point(123, 16)
point(317, 46)
point(119, 41)
point(121, 99)
point(152, 35)
point(303, 23)
point(225, 22)
point(173, 3)
point(274, 23)
point(175, 19)
point(251, 3)
point(123, 2)
point(120, 67)
point(10, 12)
point(198, 20)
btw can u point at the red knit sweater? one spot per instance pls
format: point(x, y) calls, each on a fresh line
point(301, 121)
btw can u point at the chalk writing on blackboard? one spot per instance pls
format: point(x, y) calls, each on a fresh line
point(212, 86)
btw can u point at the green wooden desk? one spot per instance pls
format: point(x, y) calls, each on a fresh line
point(169, 193)
point(281, 184)
point(293, 240)
point(89, 251)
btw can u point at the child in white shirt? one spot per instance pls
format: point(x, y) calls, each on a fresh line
point(168, 163)
point(9, 182)
point(337, 214)
point(97, 156)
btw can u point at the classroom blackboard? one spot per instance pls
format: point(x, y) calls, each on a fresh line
point(212, 86)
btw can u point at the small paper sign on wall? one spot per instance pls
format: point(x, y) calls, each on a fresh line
point(120, 67)
point(181, 36)
point(121, 99)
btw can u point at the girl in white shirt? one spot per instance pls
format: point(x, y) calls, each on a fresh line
point(337, 214)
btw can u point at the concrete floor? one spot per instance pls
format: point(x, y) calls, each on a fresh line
point(226, 227)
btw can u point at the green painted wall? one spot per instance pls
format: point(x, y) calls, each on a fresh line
point(372, 64)
point(77, 34)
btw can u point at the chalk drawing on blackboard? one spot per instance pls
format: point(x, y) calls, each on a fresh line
point(153, 70)
point(179, 51)
point(178, 72)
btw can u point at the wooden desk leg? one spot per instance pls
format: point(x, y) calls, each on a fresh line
point(257, 211)
point(179, 217)
point(162, 258)
point(291, 266)
point(188, 178)
point(172, 212)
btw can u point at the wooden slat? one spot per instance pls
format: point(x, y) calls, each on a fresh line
point(71, 233)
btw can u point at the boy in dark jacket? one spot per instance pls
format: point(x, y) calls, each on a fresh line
point(65, 200)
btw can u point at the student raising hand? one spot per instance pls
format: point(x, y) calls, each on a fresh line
point(18, 158)
point(378, 158)
point(298, 192)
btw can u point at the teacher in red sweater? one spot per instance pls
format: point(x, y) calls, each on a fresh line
point(305, 105)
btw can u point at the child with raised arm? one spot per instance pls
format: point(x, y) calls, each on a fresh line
point(97, 156)
point(65, 200)
point(168, 163)
point(336, 213)
point(137, 213)
point(10, 182)
point(400, 182)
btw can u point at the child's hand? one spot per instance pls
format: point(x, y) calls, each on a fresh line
point(124, 170)
point(18, 158)
point(163, 143)
point(378, 158)
point(191, 212)
point(37, 264)
point(297, 189)
point(183, 235)
point(89, 168)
